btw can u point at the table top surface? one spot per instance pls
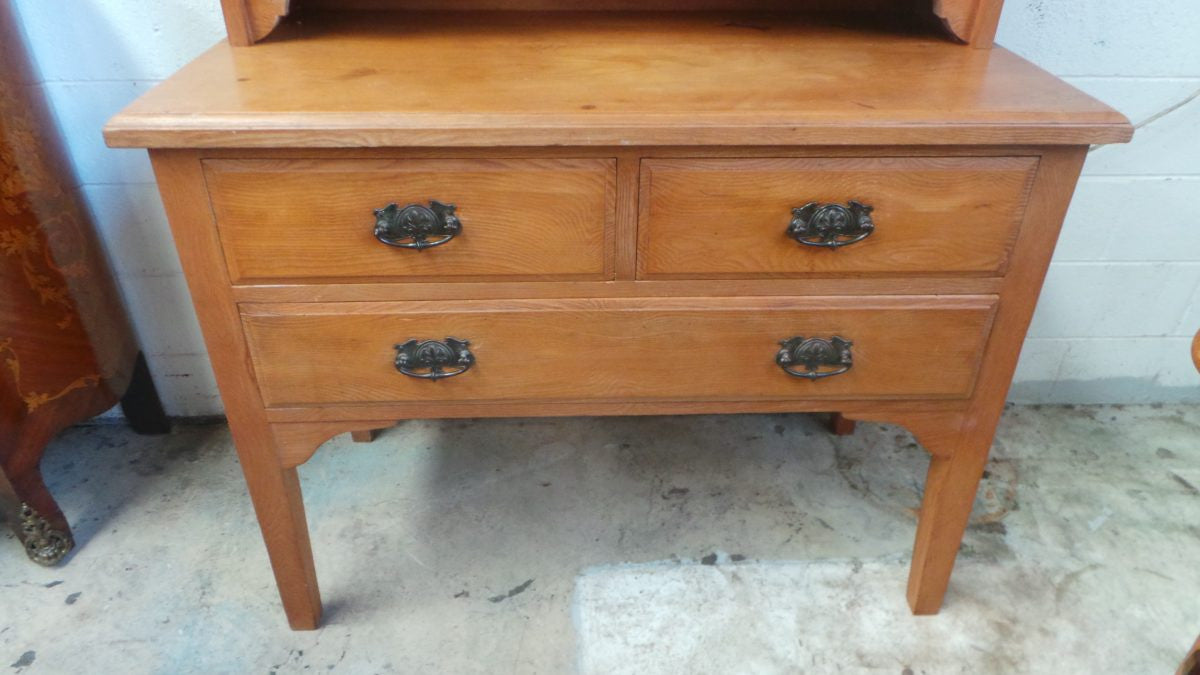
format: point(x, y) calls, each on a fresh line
point(510, 79)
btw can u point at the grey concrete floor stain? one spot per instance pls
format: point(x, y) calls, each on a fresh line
point(25, 661)
point(607, 545)
point(515, 591)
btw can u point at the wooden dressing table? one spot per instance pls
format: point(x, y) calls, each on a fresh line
point(400, 214)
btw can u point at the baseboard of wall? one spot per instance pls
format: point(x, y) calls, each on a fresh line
point(1110, 391)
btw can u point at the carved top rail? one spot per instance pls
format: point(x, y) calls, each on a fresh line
point(972, 22)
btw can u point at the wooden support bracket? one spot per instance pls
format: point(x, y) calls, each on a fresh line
point(248, 21)
point(971, 21)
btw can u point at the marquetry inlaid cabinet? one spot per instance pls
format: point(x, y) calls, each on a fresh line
point(654, 207)
point(67, 350)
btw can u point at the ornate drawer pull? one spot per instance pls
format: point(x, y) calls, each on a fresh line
point(414, 225)
point(814, 354)
point(831, 225)
point(429, 359)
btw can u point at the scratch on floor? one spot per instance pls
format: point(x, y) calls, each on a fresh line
point(1068, 580)
point(516, 591)
point(1184, 482)
point(417, 560)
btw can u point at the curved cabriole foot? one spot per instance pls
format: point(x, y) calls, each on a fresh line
point(44, 544)
point(31, 511)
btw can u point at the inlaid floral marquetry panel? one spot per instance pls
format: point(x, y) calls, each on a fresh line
point(49, 260)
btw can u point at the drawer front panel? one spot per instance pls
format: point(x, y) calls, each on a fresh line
point(618, 349)
point(519, 219)
point(729, 218)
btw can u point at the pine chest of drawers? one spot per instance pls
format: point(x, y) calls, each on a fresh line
point(513, 214)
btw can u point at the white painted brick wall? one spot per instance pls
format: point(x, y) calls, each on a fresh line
point(1121, 303)
point(94, 57)
point(1122, 300)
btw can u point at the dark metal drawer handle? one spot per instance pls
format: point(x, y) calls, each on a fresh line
point(433, 360)
point(831, 225)
point(818, 357)
point(415, 226)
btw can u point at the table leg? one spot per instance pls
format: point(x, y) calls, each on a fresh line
point(365, 436)
point(274, 486)
point(29, 507)
point(840, 425)
point(142, 407)
point(950, 487)
point(275, 491)
point(43, 531)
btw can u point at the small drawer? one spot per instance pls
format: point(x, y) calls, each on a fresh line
point(698, 349)
point(780, 218)
point(330, 221)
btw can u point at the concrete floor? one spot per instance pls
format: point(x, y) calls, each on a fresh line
point(737, 544)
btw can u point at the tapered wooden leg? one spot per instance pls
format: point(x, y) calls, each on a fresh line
point(960, 456)
point(958, 443)
point(945, 509)
point(275, 491)
point(840, 425)
point(273, 483)
point(364, 436)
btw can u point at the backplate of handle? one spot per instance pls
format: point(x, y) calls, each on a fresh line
point(831, 225)
point(415, 226)
point(433, 359)
point(814, 358)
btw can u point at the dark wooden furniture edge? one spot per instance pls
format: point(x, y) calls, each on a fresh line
point(971, 22)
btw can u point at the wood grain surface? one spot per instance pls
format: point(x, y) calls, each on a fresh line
point(634, 349)
point(618, 79)
point(624, 180)
point(522, 219)
point(67, 350)
point(714, 218)
point(960, 459)
point(356, 292)
point(274, 488)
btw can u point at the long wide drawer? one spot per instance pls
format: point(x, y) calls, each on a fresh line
point(619, 349)
point(434, 219)
point(777, 218)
